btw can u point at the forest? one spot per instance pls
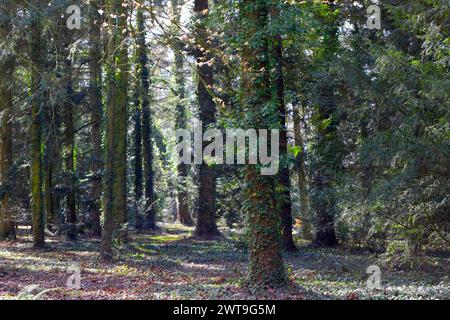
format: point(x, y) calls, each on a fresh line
point(224, 150)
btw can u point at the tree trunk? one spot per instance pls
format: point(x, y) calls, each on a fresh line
point(263, 220)
point(115, 204)
point(327, 145)
point(150, 212)
point(69, 143)
point(7, 62)
point(301, 176)
point(184, 215)
point(37, 54)
point(95, 100)
point(284, 204)
point(138, 175)
point(206, 226)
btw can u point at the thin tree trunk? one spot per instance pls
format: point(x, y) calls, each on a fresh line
point(301, 176)
point(206, 226)
point(184, 215)
point(284, 204)
point(95, 97)
point(7, 227)
point(327, 144)
point(150, 213)
point(37, 53)
point(138, 175)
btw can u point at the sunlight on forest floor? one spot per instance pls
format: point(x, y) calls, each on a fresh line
point(171, 264)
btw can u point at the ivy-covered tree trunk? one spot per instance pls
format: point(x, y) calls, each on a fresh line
point(285, 205)
point(301, 178)
point(7, 62)
point(263, 219)
point(37, 55)
point(95, 100)
point(150, 211)
point(206, 226)
point(184, 215)
point(115, 204)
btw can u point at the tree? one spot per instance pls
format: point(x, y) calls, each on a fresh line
point(206, 226)
point(184, 215)
point(326, 147)
point(150, 212)
point(263, 220)
point(284, 202)
point(95, 100)
point(302, 177)
point(69, 140)
point(115, 197)
point(7, 64)
point(37, 55)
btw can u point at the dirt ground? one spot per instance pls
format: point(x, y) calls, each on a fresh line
point(170, 264)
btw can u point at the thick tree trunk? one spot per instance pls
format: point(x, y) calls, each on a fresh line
point(115, 197)
point(206, 226)
point(184, 215)
point(95, 100)
point(37, 54)
point(263, 220)
point(7, 227)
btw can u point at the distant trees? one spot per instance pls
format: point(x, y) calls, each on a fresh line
point(147, 125)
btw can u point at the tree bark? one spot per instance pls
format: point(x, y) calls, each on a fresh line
point(184, 215)
point(115, 197)
point(206, 227)
point(284, 204)
point(95, 100)
point(150, 211)
point(263, 220)
point(7, 62)
point(37, 54)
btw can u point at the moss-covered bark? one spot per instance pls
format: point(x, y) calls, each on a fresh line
point(147, 129)
point(302, 178)
point(263, 219)
point(36, 55)
point(115, 186)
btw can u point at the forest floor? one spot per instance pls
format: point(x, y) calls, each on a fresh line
point(170, 264)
